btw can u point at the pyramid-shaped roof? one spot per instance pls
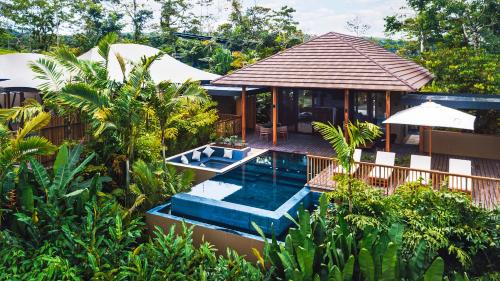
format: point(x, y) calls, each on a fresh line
point(333, 61)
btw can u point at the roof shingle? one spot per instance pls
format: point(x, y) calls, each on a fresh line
point(335, 61)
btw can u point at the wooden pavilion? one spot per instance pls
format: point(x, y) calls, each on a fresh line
point(332, 78)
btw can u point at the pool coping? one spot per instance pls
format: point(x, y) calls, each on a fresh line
point(217, 171)
point(276, 214)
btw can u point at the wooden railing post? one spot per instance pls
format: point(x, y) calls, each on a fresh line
point(484, 191)
point(387, 126)
point(243, 113)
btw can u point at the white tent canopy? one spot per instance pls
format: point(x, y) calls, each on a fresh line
point(431, 114)
point(166, 68)
point(16, 69)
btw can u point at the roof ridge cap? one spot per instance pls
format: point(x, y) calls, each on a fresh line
point(269, 57)
point(372, 60)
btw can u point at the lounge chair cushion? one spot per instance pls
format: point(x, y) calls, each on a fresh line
point(184, 160)
point(196, 155)
point(228, 153)
point(208, 151)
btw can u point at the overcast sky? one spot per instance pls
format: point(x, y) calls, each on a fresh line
point(319, 16)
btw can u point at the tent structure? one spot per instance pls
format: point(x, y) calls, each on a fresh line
point(164, 69)
point(15, 68)
point(430, 114)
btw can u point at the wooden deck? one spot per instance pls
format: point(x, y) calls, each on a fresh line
point(485, 172)
point(483, 185)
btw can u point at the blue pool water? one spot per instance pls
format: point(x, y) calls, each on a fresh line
point(267, 181)
point(262, 190)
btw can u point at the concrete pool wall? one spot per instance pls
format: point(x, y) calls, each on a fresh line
point(238, 215)
point(221, 238)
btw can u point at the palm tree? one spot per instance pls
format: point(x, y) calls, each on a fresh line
point(16, 149)
point(170, 106)
point(119, 111)
point(357, 135)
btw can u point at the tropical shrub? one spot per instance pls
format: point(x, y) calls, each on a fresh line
point(464, 235)
point(467, 236)
point(314, 251)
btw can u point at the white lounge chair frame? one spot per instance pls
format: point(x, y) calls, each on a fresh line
point(381, 175)
point(460, 167)
point(419, 162)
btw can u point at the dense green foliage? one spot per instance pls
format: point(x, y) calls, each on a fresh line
point(464, 235)
point(326, 247)
point(80, 218)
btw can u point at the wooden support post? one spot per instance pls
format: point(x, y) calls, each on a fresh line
point(421, 140)
point(430, 141)
point(387, 126)
point(346, 111)
point(243, 113)
point(275, 115)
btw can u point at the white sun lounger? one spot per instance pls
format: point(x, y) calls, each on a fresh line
point(419, 162)
point(460, 167)
point(354, 167)
point(382, 174)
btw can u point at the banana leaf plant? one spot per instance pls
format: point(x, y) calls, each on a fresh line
point(61, 192)
point(314, 250)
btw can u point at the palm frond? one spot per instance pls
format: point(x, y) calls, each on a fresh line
point(335, 136)
point(49, 71)
point(28, 110)
point(67, 59)
point(35, 124)
point(83, 97)
point(104, 45)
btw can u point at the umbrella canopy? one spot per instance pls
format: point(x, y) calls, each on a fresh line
point(431, 114)
point(166, 68)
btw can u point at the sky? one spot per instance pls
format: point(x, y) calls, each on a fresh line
point(317, 17)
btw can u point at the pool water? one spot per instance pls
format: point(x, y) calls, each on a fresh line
point(216, 164)
point(263, 191)
point(266, 181)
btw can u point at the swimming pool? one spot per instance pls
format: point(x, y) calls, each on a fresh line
point(261, 190)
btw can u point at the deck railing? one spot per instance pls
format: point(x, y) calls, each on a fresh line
point(483, 190)
point(228, 125)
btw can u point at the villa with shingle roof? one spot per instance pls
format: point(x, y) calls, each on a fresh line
point(331, 78)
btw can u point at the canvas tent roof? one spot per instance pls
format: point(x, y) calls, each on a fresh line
point(15, 68)
point(334, 61)
point(164, 69)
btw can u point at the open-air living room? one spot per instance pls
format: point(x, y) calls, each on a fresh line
point(249, 140)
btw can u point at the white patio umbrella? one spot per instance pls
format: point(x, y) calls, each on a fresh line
point(430, 114)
